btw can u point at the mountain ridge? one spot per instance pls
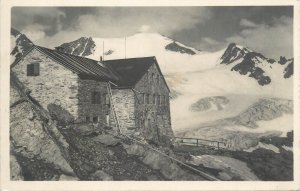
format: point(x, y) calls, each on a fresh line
point(241, 59)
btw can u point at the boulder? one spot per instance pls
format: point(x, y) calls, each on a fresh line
point(101, 175)
point(85, 129)
point(60, 114)
point(134, 149)
point(107, 140)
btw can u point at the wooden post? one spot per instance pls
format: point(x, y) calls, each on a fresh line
point(197, 142)
point(218, 145)
point(113, 108)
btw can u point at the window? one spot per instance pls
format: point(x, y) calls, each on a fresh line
point(142, 98)
point(158, 100)
point(166, 100)
point(148, 98)
point(96, 98)
point(107, 120)
point(33, 69)
point(162, 100)
point(95, 119)
point(87, 119)
point(157, 79)
point(107, 99)
point(154, 97)
point(152, 78)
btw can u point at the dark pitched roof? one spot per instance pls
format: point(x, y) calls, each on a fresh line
point(80, 65)
point(131, 70)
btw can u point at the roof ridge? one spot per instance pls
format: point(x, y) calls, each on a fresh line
point(130, 58)
point(79, 63)
point(66, 53)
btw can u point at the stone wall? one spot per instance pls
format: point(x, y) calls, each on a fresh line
point(153, 120)
point(124, 102)
point(85, 106)
point(55, 84)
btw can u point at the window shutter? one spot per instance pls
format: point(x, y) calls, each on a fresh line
point(33, 69)
point(96, 98)
point(29, 70)
point(36, 69)
point(95, 119)
point(148, 99)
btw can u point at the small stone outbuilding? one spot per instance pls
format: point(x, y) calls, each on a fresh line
point(141, 97)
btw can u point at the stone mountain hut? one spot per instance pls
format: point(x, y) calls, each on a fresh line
point(128, 94)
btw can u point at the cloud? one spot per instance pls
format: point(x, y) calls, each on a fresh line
point(206, 28)
point(144, 28)
point(121, 21)
point(34, 32)
point(271, 40)
point(247, 23)
point(210, 44)
point(50, 19)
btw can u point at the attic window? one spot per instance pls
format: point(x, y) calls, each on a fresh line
point(33, 69)
point(96, 98)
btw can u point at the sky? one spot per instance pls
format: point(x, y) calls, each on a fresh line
point(268, 30)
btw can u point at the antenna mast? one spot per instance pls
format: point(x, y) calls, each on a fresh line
point(103, 50)
point(125, 47)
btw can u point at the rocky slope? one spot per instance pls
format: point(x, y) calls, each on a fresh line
point(245, 130)
point(19, 44)
point(47, 147)
point(264, 110)
point(35, 140)
point(215, 102)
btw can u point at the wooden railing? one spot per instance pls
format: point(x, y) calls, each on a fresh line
point(200, 142)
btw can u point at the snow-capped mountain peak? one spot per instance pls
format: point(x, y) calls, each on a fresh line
point(233, 52)
point(83, 46)
point(254, 64)
point(19, 44)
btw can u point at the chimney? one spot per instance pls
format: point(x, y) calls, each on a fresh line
point(60, 49)
point(101, 59)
